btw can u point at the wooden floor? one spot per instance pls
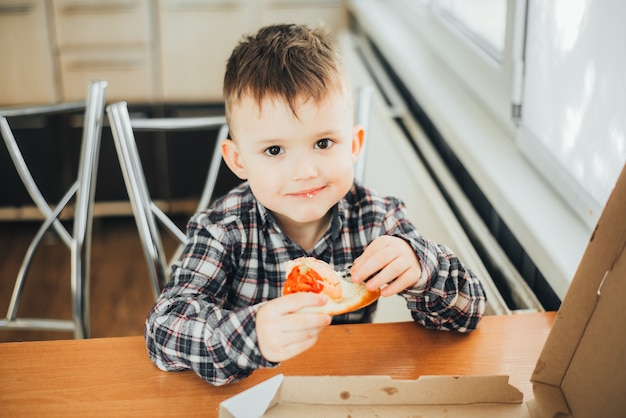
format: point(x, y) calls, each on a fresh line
point(121, 294)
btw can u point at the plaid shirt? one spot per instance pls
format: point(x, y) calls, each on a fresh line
point(234, 260)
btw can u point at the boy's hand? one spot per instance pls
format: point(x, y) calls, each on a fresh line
point(282, 332)
point(391, 261)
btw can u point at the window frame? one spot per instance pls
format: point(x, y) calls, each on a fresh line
point(495, 83)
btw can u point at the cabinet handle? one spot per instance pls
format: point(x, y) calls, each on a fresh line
point(218, 5)
point(13, 9)
point(91, 65)
point(100, 7)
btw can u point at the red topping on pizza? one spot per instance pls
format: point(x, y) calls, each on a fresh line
point(307, 274)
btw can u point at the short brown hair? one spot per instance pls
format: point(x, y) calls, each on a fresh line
point(285, 61)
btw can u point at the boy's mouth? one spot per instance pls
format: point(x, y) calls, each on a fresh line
point(307, 194)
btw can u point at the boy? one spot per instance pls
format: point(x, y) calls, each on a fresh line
point(290, 113)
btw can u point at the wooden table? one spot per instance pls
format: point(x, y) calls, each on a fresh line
point(114, 376)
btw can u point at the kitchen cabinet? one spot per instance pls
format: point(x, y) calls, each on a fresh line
point(196, 38)
point(165, 51)
point(128, 71)
point(311, 12)
point(110, 41)
point(28, 72)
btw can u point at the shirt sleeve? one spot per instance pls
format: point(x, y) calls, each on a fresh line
point(448, 295)
point(188, 328)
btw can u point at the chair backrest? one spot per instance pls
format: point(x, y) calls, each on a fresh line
point(147, 214)
point(83, 190)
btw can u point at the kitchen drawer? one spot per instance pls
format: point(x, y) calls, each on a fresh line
point(128, 71)
point(96, 22)
point(27, 73)
point(196, 39)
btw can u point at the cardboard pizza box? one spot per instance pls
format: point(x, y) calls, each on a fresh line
point(581, 371)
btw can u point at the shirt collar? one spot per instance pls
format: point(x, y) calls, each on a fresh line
point(336, 221)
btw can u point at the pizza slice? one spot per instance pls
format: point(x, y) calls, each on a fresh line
point(308, 274)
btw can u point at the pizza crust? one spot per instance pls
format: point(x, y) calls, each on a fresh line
point(355, 296)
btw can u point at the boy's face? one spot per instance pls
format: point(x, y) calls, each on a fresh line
point(297, 167)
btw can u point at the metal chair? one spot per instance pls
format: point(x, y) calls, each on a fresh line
point(83, 191)
point(147, 214)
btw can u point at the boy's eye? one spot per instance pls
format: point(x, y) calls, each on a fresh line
point(324, 143)
point(273, 150)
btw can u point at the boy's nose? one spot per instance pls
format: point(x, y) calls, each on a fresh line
point(304, 169)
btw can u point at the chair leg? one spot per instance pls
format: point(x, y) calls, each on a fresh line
point(28, 181)
point(83, 216)
point(83, 190)
point(30, 252)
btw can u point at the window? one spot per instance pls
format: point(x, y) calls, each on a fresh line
point(573, 125)
point(477, 41)
point(529, 104)
point(550, 73)
point(483, 22)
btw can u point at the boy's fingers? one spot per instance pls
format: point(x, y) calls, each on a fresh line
point(389, 274)
point(284, 332)
point(296, 301)
point(300, 335)
point(294, 348)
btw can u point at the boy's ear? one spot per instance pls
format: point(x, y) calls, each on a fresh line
point(232, 158)
point(358, 136)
